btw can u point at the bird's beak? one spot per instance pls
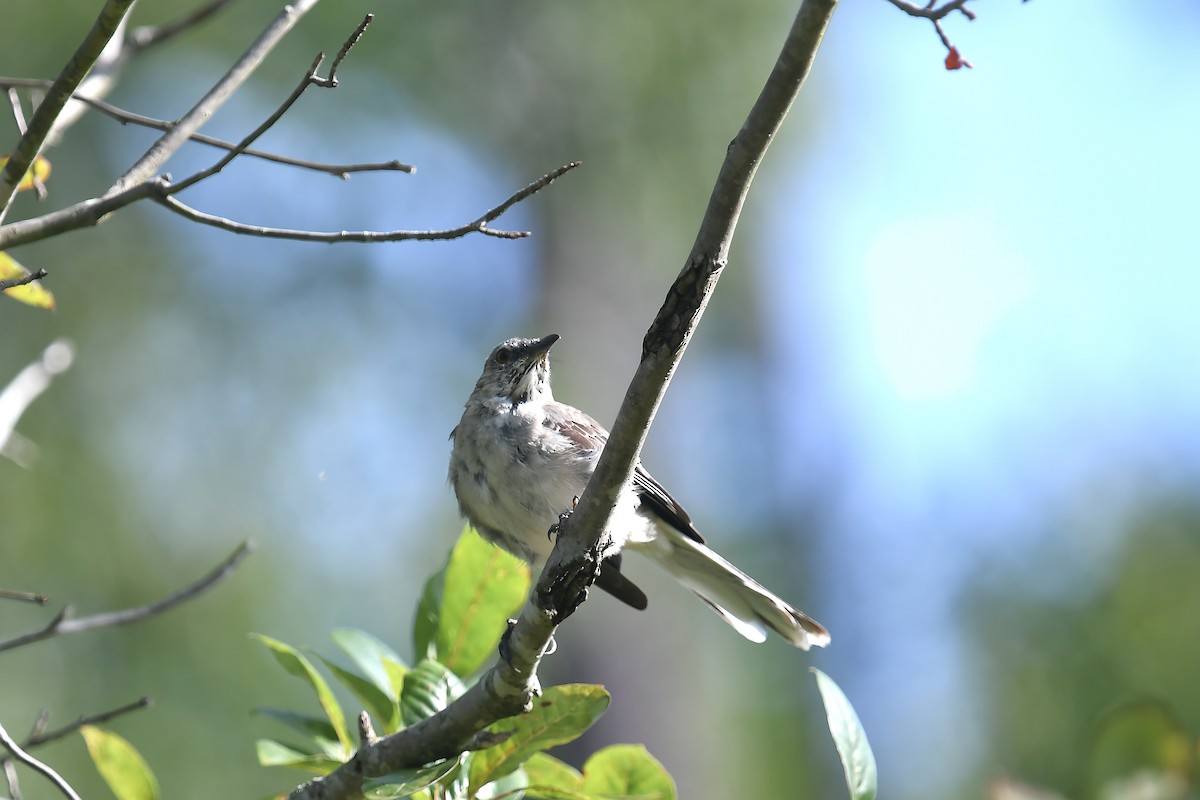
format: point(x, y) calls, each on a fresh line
point(542, 346)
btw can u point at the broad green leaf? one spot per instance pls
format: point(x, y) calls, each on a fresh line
point(372, 657)
point(1139, 740)
point(31, 294)
point(483, 587)
point(428, 688)
point(276, 754)
point(315, 728)
point(296, 664)
point(121, 766)
point(425, 623)
point(544, 769)
point(850, 739)
point(384, 708)
point(38, 172)
point(406, 783)
point(512, 785)
point(560, 715)
point(627, 770)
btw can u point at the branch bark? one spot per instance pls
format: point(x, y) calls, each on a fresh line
point(508, 688)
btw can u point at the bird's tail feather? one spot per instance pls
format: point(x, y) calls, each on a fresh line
point(744, 603)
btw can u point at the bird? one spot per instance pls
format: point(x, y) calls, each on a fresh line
point(520, 460)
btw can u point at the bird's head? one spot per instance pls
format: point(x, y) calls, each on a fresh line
point(518, 370)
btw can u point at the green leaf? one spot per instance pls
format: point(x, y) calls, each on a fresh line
point(510, 787)
point(384, 708)
point(560, 715)
point(425, 623)
point(1139, 741)
point(315, 728)
point(121, 766)
point(428, 688)
point(377, 661)
point(551, 779)
point(276, 754)
point(296, 664)
point(482, 588)
point(627, 770)
point(408, 782)
point(850, 739)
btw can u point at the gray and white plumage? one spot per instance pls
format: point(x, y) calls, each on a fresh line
point(520, 459)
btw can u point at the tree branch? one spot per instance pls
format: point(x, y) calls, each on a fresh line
point(29, 384)
point(38, 737)
point(216, 97)
point(48, 110)
point(125, 116)
point(62, 624)
point(504, 689)
point(25, 597)
point(935, 14)
point(13, 283)
point(31, 762)
point(479, 225)
point(148, 36)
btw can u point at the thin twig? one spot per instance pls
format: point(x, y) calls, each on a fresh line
point(935, 14)
point(31, 762)
point(509, 684)
point(14, 100)
point(479, 225)
point(62, 625)
point(13, 283)
point(172, 140)
point(148, 36)
point(14, 783)
point(25, 597)
point(39, 738)
point(47, 112)
point(331, 81)
point(29, 384)
point(125, 116)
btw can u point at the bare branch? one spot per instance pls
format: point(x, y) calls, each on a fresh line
point(507, 687)
point(62, 624)
point(38, 737)
point(81, 215)
point(40, 125)
point(25, 597)
point(30, 382)
point(14, 784)
point(31, 762)
point(216, 97)
point(148, 36)
point(935, 14)
point(14, 100)
point(124, 116)
point(13, 283)
point(331, 81)
point(479, 225)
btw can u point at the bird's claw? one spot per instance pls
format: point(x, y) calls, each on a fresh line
point(504, 648)
point(556, 529)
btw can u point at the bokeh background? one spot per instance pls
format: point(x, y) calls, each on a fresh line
point(945, 399)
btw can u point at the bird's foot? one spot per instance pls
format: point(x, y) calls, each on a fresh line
point(556, 529)
point(505, 647)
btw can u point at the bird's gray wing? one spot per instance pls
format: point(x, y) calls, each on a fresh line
point(587, 434)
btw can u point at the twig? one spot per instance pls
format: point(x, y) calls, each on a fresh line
point(26, 597)
point(507, 687)
point(14, 783)
point(148, 36)
point(30, 382)
point(42, 121)
point(13, 283)
point(31, 762)
point(479, 225)
point(331, 81)
point(216, 97)
point(124, 116)
point(81, 215)
point(38, 738)
point(62, 624)
point(936, 14)
point(14, 100)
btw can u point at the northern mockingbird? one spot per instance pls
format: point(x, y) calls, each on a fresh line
point(520, 460)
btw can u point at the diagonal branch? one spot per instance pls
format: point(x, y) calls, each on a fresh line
point(508, 687)
point(39, 737)
point(40, 125)
point(172, 140)
point(147, 36)
point(31, 762)
point(62, 624)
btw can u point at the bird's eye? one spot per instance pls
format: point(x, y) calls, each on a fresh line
point(503, 355)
